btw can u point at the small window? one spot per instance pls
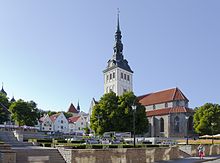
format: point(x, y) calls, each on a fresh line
point(125, 90)
point(81, 123)
point(61, 121)
point(177, 103)
point(113, 75)
point(79, 128)
point(166, 105)
point(154, 106)
point(43, 128)
point(107, 77)
point(61, 127)
point(128, 78)
point(125, 76)
point(121, 75)
point(110, 76)
point(49, 128)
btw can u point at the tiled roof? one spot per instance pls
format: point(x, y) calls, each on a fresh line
point(42, 119)
point(72, 109)
point(165, 111)
point(73, 119)
point(54, 117)
point(162, 97)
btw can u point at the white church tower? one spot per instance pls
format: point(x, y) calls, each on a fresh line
point(118, 74)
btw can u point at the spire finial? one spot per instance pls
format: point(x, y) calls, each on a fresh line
point(118, 26)
point(78, 107)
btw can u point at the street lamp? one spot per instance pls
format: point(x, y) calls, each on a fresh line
point(212, 125)
point(187, 140)
point(98, 117)
point(134, 110)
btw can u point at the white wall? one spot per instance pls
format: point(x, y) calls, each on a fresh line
point(61, 124)
point(78, 126)
point(118, 84)
point(47, 124)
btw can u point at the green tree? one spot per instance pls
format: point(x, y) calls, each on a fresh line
point(207, 119)
point(24, 113)
point(114, 113)
point(67, 114)
point(103, 113)
point(51, 112)
point(4, 105)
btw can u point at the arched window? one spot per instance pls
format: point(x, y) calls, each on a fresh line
point(176, 124)
point(190, 123)
point(161, 125)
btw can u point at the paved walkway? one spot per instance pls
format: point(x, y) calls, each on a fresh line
point(209, 159)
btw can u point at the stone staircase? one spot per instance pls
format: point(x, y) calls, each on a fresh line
point(8, 138)
point(38, 155)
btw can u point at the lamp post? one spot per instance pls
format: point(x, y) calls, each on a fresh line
point(187, 140)
point(98, 117)
point(134, 110)
point(212, 125)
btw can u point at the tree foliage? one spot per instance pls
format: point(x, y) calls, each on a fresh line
point(114, 113)
point(207, 119)
point(4, 105)
point(24, 113)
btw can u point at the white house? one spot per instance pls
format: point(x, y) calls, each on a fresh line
point(46, 123)
point(60, 123)
point(77, 124)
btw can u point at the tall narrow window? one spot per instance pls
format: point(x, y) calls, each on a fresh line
point(121, 75)
point(190, 123)
point(107, 77)
point(110, 76)
point(161, 125)
point(125, 76)
point(177, 124)
point(128, 78)
point(113, 75)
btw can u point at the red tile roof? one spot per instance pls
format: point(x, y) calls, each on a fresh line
point(165, 111)
point(73, 119)
point(162, 97)
point(54, 117)
point(72, 109)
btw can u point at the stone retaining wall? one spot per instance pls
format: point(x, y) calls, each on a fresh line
point(122, 155)
point(6, 154)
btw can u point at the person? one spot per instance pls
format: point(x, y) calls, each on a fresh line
point(201, 151)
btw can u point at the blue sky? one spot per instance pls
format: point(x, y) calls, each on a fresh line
point(54, 52)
